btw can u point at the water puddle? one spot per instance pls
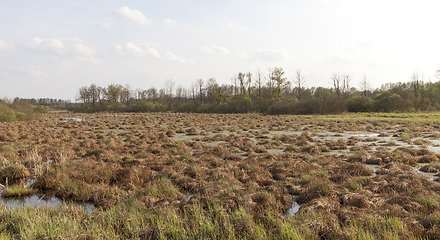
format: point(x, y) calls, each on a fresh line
point(429, 176)
point(293, 209)
point(275, 151)
point(66, 119)
point(41, 200)
point(215, 143)
point(373, 168)
point(30, 182)
point(187, 197)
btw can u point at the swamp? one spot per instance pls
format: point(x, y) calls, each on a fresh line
point(220, 176)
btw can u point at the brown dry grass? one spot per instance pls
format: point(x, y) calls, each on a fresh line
point(117, 157)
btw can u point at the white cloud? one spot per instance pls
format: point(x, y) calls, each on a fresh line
point(242, 54)
point(5, 45)
point(221, 51)
point(33, 71)
point(236, 27)
point(143, 49)
point(169, 22)
point(85, 50)
point(118, 49)
point(147, 50)
point(216, 50)
point(132, 15)
point(172, 57)
point(270, 55)
point(106, 25)
point(64, 48)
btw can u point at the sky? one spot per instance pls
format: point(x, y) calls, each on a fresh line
point(51, 48)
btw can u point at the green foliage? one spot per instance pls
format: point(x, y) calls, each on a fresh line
point(17, 110)
point(427, 201)
point(360, 104)
point(16, 191)
point(6, 113)
point(41, 109)
point(276, 96)
point(281, 107)
point(145, 106)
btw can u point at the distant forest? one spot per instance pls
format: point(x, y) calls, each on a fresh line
point(269, 93)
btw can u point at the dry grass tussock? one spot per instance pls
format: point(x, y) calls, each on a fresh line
point(227, 176)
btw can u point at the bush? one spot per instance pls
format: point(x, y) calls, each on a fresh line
point(17, 110)
point(360, 104)
point(6, 113)
point(40, 109)
point(145, 106)
point(281, 107)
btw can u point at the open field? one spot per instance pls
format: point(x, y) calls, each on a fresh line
point(197, 176)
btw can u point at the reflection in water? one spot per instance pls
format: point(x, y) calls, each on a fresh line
point(75, 119)
point(294, 209)
point(429, 176)
point(373, 168)
point(36, 200)
point(187, 197)
point(372, 141)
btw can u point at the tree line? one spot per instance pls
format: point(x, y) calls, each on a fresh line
point(270, 93)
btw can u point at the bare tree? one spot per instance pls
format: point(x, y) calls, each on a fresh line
point(126, 95)
point(336, 79)
point(234, 83)
point(241, 80)
point(416, 81)
point(141, 94)
point(152, 93)
point(259, 81)
point(364, 85)
point(95, 94)
point(185, 93)
point(210, 88)
point(346, 84)
point(248, 83)
point(218, 92)
point(179, 93)
point(83, 95)
point(299, 84)
point(270, 80)
point(162, 96)
point(169, 86)
point(200, 84)
point(194, 92)
point(280, 83)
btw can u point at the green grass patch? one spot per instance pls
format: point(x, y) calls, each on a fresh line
point(17, 191)
point(426, 201)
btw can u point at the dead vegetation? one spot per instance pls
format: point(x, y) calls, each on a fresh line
point(232, 161)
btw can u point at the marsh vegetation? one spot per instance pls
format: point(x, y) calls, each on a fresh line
point(166, 175)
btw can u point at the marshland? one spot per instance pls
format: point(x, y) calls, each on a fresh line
point(228, 176)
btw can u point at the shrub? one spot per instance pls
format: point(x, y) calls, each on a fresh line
point(360, 104)
point(6, 113)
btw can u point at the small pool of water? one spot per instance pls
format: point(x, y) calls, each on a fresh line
point(75, 119)
point(429, 176)
point(41, 200)
point(293, 209)
point(373, 168)
point(187, 197)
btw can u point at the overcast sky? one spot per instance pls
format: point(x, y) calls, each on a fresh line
point(51, 48)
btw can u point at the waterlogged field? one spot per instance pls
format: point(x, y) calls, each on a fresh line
point(197, 176)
